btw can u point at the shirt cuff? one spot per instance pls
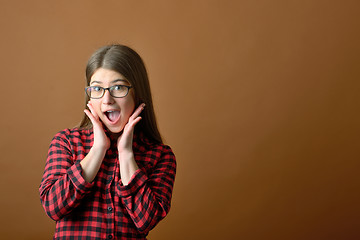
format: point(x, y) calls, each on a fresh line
point(75, 175)
point(137, 180)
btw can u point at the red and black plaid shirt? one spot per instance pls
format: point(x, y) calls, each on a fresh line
point(104, 208)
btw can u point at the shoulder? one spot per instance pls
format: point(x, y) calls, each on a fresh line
point(164, 149)
point(151, 156)
point(163, 157)
point(73, 134)
point(70, 132)
point(167, 154)
point(142, 143)
point(152, 151)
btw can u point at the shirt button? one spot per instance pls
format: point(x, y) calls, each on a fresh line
point(110, 237)
point(110, 209)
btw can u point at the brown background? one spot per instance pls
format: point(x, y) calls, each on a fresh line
point(258, 99)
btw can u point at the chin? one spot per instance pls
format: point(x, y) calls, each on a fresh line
point(115, 129)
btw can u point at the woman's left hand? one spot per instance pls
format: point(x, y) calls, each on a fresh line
point(124, 142)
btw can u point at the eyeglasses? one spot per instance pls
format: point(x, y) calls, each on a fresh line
point(117, 91)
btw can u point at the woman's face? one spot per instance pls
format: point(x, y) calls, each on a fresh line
point(113, 112)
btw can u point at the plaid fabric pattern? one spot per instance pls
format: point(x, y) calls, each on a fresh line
point(104, 208)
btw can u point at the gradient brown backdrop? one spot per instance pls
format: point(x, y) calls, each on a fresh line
point(258, 99)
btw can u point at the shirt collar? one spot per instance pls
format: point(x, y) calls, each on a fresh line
point(140, 141)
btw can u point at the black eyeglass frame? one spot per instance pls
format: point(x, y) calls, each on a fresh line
point(104, 90)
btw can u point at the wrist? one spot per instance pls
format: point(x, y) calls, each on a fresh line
point(126, 155)
point(98, 150)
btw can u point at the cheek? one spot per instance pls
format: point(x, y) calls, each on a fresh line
point(128, 111)
point(128, 106)
point(96, 105)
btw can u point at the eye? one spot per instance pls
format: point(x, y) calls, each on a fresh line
point(96, 89)
point(118, 87)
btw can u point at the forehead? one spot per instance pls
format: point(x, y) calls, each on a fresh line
point(106, 76)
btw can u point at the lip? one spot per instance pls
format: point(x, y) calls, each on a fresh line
point(106, 116)
point(107, 110)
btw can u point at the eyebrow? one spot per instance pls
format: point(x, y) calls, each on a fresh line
point(115, 81)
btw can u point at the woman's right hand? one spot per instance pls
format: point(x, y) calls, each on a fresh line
point(92, 162)
point(101, 141)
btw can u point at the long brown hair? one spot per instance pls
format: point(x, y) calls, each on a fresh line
point(128, 63)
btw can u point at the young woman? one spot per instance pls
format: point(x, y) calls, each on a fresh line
point(111, 177)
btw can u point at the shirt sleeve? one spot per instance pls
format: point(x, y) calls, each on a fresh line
point(62, 186)
point(148, 198)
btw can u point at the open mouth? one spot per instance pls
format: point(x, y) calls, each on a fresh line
point(112, 116)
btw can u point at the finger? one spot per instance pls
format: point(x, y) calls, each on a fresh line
point(137, 111)
point(91, 117)
point(136, 121)
point(95, 122)
point(131, 125)
point(92, 110)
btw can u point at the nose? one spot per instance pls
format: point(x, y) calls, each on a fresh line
point(107, 98)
